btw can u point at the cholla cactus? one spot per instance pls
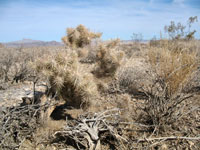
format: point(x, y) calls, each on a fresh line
point(68, 79)
point(79, 37)
point(113, 43)
point(108, 59)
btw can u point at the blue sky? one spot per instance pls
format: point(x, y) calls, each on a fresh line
point(48, 19)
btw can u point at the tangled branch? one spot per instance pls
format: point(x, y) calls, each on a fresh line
point(88, 129)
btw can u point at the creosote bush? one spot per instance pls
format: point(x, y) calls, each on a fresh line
point(108, 59)
point(181, 32)
point(14, 64)
point(6, 62)
point(79, 37)
point(68, 79)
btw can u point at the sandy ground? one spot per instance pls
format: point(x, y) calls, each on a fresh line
point(12, 95)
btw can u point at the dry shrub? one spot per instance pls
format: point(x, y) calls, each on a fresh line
point(68, 79)
point(133, 75)
point(166, 102)
point(132, 49)
point(79, 37)
point(14, 64)
point(108, 59)
point(21, 69)
point(176, 46)
point(6, 62)
point(173, 66)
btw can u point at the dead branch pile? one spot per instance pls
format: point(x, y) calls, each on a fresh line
point(17, 124)
point(91, 131)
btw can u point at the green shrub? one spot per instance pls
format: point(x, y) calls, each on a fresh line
point(178, 31)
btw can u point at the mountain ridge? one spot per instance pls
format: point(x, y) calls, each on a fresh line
point(32, 43)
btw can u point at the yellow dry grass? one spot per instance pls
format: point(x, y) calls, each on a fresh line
point(172, 65)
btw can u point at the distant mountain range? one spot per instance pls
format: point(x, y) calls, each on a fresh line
point(38, 43)
point(32, 43)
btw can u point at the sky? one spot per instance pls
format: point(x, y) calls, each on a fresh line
point(48, 19)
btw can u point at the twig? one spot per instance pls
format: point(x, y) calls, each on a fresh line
point(169, 138)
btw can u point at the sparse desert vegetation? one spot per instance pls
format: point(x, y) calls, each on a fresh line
point(102, 95)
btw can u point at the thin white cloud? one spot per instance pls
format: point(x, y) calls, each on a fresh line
point(119, 19)
point(178, 1)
